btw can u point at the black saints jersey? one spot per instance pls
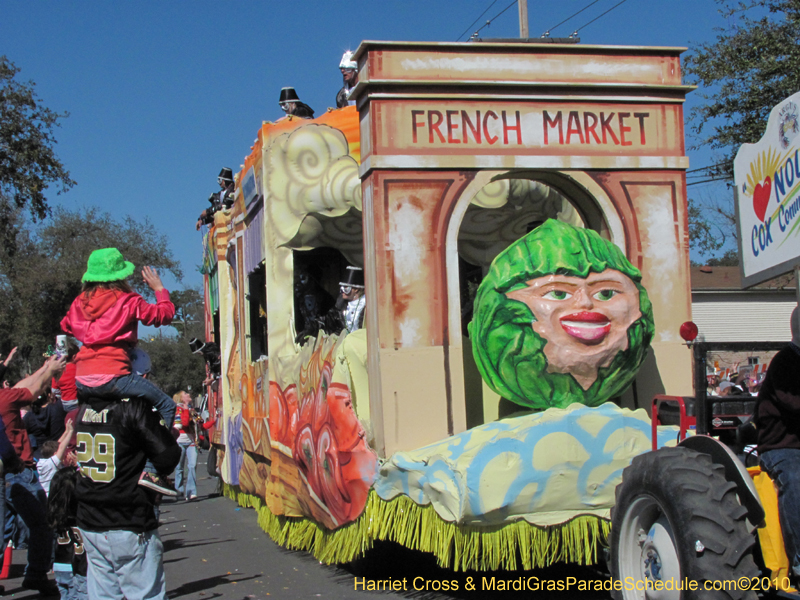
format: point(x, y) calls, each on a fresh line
point(115, 438)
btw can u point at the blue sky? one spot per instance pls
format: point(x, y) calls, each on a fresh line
point(161, 95)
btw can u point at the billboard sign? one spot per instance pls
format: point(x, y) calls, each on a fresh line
point(767, 176)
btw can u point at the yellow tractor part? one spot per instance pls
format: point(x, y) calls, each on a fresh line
point(769, 536)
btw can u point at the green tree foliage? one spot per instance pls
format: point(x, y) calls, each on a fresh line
point(704, 236)
point(175, 368)
point(728, 259)
point(712, 224)
point(28, 163)
point(749, 68)
point(743, 74)
point(189, 313)
point(42, 275)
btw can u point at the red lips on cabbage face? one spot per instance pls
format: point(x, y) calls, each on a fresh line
point(585, 321)
point(588, 327)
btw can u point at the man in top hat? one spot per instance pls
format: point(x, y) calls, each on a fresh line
point(291, 105)
point(220, 199)
point(210, 353)
point(352, 300)
point(349, 69)
point(196, 346)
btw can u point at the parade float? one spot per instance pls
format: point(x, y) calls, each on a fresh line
point(519, 214)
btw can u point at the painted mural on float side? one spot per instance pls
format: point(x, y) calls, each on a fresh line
point(561, 319)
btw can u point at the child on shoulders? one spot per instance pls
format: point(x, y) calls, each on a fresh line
point(105, 318)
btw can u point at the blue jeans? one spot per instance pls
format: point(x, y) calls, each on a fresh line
point(27, 498)
point(133, 386)
point(783, 466)
point(72, 587)
point(123, 564)
point(15, 530)
point(188, 464)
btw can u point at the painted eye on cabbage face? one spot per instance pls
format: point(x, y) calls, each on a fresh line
point(557, 295)
point(604, 295)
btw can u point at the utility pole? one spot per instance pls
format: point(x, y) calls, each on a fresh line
point(523, 19)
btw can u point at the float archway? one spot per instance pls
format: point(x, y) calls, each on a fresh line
point(495, 210)
point(602, 125)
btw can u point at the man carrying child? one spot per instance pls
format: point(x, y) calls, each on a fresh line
point(115, 515)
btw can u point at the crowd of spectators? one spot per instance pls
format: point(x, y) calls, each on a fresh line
point(54, 512)
point(75, 437)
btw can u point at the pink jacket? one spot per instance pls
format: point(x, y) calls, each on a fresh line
point(107, 323)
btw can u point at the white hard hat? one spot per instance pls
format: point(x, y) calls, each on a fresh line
point(347, 61)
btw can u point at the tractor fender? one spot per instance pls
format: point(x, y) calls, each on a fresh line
point(735, 471)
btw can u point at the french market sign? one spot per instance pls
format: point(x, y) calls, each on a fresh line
point(414, 127)
point(767, 176)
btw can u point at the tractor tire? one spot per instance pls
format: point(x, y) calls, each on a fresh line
point(677, 518)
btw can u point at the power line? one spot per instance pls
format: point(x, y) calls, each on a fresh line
point(600, 15)
point(489, 22)
point(476, 20)
point(701, 174)
point(708, 181)
point(719, 164)
point(547, 33)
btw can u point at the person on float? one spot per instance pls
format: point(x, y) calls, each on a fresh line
point(290, 103)
point(349, 69)
point(777, 421)
point(352, 302)
point(105, 318)
point(218, 200)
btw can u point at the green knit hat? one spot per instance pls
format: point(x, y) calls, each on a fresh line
point(106, 265)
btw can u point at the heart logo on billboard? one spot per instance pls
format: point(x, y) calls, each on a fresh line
point(761, 198)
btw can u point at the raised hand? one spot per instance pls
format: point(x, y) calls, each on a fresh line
point(10, 356)
point(151, 278)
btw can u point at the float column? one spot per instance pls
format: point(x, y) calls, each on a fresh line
point(405, 217)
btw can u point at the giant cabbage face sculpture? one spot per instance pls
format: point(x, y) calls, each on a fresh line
point(561, 317)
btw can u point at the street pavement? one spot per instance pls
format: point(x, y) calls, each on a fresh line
point(215, 549)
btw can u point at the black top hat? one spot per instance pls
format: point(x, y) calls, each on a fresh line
point(226, 174)
point(196, 346)
point(355, 278)
point(288, 95)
